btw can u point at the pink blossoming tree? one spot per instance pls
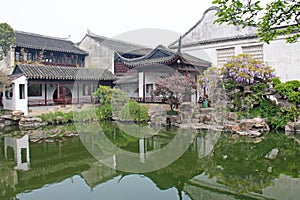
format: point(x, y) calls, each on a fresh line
point(174, 88)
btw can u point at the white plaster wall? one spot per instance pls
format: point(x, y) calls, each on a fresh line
point(150, 78)
point(20, 104)
point(208, 52)
point(285, 58)
point(129, 88)
point(99, 55)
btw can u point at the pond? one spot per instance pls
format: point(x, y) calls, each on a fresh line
point(123, 161)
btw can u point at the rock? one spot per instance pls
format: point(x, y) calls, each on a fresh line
point(232, 127)
point(31, 122)
point(269, 169)
point(231, 116)
point(297, 125)
point(246, 124)
point(18, 113)
point(195, 120)
point(206, 111)
point(272, 154)
point(13, 115)
point(290, 127)
point(249, 133)
point(186, 107)
point(257, 140)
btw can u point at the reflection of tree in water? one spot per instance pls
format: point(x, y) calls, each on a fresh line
point(8, 180)
point(126, 135)
point(241, 165)
point(177, 173)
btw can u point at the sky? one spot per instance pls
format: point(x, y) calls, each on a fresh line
point(111, 18)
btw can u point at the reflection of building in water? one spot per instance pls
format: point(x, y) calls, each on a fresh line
point(98, 174)
point(142, 149)
point(204, 187)
point(205, 143)
point(20, 147)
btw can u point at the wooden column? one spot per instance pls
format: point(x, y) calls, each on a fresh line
point(78, 93)
point(91, 90)
point(58, 91)
point(144, 86)
point(45, 94)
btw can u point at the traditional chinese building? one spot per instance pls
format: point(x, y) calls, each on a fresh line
point(137, 76)
point(137, 67)
point(102, 51)
point(218, 42)
point(50, 74)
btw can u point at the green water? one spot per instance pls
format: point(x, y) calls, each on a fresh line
point(212, 165)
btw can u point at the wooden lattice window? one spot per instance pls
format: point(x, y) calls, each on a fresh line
point(224, 55)
point(255, 51)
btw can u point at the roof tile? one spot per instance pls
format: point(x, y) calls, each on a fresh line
point(62, 73)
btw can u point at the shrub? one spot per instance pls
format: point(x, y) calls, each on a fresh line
point(61, 118)
point(284, 116)
point(132, 111)
point(104, 112)
point(172, 112)
point(290, 90)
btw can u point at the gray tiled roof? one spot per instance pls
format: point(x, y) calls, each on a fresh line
point(162, 55)
point(35, 41)
point(119, 45)
point(62, 73)
point(203, 33)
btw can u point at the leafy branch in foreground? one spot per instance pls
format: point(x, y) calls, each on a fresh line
point(279, 17)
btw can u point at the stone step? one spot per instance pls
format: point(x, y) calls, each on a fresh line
point(205, 111)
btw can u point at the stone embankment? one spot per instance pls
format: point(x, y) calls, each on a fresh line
point(10, 118)
point(191, 116)
point(293, 126)
point(246, 127)
point(17, 118)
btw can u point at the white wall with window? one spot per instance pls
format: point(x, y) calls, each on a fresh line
point(256, 51)
point(17, 99)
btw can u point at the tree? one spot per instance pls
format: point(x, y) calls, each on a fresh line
point(280, 17)
point(7, 39)
point(247, 83)
point(174, 88)
point(244, 70)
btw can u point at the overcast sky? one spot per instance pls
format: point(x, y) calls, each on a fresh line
point(61, 18)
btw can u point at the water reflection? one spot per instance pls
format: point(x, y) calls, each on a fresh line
point(20, 147)
point(134, 154)
point(214, 166)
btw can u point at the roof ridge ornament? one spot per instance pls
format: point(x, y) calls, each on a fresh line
point(179, 46)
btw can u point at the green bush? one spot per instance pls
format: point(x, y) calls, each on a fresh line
point(289, 88)
point(283, 117)
point(132, 111)
point(276, 81)
point(61, 118)
point(104, 112)
point(172, 112)
point(56, 117)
